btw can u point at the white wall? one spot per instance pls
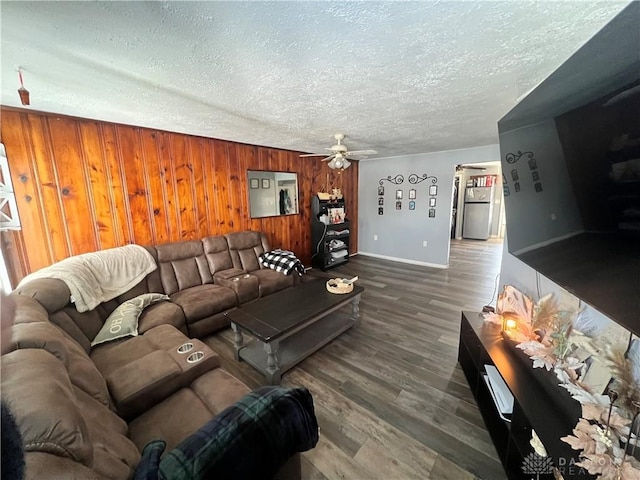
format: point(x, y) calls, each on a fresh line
point(401, 233)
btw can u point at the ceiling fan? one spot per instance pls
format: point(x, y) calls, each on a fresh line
point(339, 157)
point(459, 168)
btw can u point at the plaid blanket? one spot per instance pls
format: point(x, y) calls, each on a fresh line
point(251, 439)
point(282, 261)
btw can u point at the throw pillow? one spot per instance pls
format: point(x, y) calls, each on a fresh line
point(123, 322)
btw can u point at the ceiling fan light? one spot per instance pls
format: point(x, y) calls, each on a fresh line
point(338, 162)
point(346, 163)
point(332, 164)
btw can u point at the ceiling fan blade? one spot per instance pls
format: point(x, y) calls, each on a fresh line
point(313, 155)
point(471, 167)
point(361, 152)
point(328, 158)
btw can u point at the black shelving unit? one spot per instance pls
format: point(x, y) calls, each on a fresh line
point(539, 402)
point(330, 241)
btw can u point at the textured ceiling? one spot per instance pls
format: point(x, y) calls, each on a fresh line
point(397, 77)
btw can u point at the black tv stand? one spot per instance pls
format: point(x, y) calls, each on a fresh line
point(539, 402)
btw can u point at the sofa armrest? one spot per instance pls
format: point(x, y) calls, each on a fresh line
point(141, 384)
point(245, 285)
point(228, 274)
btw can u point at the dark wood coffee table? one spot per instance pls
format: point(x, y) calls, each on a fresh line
point(290, 325)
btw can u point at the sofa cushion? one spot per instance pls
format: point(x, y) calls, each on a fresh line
point(47, 336)
point(38, 390)
point(271, 281)
point(110, 356)
point(82, 327)
point(182, 265)
point(216, 251)
point(123, 322)
point(245, 249)
point(42, 335)
point(114, 454)
point(218, 389)
point(84, 374)
point(187, 410)
point(52, 467)
point(204, 301)
point(273, 423)
point(173, 420)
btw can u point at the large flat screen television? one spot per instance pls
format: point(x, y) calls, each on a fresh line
point(570, 155)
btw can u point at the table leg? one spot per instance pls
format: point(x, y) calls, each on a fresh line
point(238, 340)
point(273, 374)
point(355, 310)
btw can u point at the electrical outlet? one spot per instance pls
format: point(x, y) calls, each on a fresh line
point(375, 237)
point(424, 243)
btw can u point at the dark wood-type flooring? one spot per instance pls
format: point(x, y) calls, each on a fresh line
point(391, 400)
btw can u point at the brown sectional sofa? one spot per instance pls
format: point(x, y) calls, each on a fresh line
point(87, 412)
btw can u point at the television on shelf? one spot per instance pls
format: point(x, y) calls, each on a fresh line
point(570, 154)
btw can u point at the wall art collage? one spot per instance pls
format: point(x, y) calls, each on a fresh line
point(412, 193)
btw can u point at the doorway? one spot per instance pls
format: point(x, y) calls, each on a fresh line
point(486, 179)
point(454, 210)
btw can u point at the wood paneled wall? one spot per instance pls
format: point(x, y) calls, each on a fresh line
point(84, 185)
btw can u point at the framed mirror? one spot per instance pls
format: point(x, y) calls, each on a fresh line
point(272, 193)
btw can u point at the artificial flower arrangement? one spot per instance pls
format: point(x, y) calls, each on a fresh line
point(608, 429)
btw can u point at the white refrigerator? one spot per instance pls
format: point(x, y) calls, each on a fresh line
point(478, 213)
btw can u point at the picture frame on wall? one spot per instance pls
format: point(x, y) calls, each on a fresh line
point(398, 194)
point(432, 212)
point(433, 190)
point(254, 183)
point(381, 201)
point(412, 194)
point(266, 183)
point(380, 190)
point(432, 202)
point(412, 205)
point(380, 210)
point(398, 205)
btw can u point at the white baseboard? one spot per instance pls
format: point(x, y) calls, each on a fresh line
point(403, 260)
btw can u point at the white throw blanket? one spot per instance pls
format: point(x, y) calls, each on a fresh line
point(96, 277)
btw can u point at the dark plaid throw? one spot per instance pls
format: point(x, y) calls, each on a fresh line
point(282, 261)
point(251, 439)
